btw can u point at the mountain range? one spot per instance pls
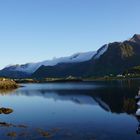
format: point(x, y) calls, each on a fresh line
point(112, 58)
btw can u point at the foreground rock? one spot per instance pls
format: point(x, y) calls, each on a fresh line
point(8, 84)
point(5, 110)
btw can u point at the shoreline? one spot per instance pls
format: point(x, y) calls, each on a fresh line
point(20, 81)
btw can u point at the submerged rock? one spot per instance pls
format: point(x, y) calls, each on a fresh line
point(4, 124)
point(22, 126)
point(12, 134)
point(44, 133)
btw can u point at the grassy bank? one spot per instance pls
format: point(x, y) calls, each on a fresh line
point(77, 79)
point(47, 80)
point(7, 84)
point(111, 78)
point(59, 80)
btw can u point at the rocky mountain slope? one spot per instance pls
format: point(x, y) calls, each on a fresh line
point(113, 58)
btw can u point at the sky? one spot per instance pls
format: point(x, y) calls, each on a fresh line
point(36, 30)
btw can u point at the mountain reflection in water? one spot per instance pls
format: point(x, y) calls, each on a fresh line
point(113, 99)
point(88, 106)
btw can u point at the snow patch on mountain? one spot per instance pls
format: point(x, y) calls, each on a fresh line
point(101, 51)
point(32, 67)
point(75, 58)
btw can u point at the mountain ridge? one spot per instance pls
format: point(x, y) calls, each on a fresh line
point(112, 58)
point(117, 57)
point(32, 67)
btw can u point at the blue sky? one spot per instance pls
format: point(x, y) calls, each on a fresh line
point(35, 30)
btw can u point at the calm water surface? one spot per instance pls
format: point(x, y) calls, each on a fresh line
point(71, 111)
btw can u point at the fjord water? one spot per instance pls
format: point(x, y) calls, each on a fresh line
point(72, 111)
